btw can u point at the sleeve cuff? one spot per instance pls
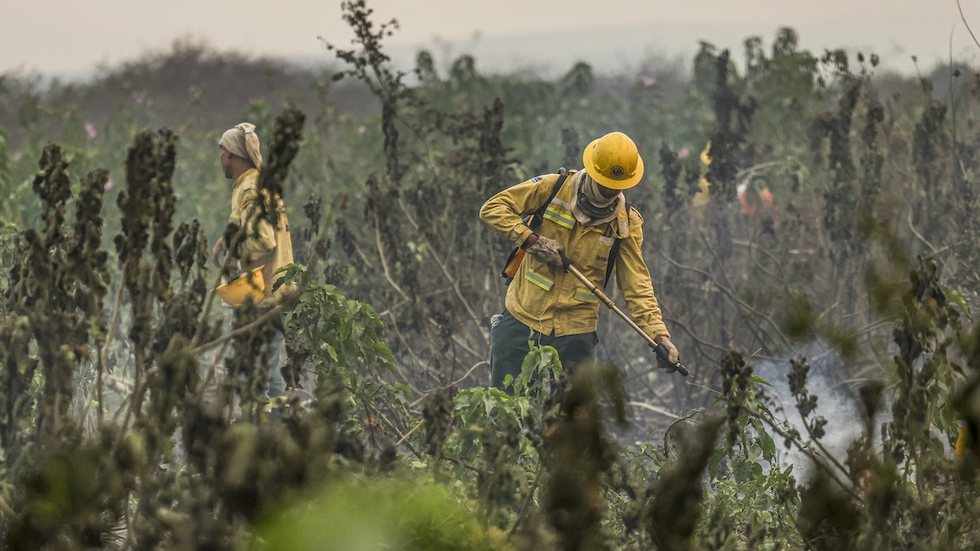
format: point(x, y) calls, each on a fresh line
point(520, 234)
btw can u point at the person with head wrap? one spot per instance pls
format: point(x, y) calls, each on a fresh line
point(265, 245)
point(587, 218)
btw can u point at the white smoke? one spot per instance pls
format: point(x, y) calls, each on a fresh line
point(835, 403)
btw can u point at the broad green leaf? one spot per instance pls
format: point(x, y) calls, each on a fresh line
point(957, 299)
point(716, 458)
point(332, 351)
point(768, 446)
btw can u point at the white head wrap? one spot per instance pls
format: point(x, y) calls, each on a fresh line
point(242, 141)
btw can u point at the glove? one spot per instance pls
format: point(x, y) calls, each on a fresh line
point(546, 250)
point(672, 354)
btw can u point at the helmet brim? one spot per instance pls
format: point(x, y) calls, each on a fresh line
point(604, 181)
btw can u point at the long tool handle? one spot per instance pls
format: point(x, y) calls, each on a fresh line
point(658, 348)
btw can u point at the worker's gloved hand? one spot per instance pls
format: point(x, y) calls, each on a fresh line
point(673, 355)
point(546, 250)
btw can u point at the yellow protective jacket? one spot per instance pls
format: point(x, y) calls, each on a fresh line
point(547, 299)
point(264, 245)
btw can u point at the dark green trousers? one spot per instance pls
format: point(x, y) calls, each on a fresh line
point(509, 345)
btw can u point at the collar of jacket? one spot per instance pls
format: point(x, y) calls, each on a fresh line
point(244, 176)
point(565, 201)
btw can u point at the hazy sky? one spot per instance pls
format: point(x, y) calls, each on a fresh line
point(72, 37)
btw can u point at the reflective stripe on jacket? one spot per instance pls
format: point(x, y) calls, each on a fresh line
point(264, 245)
point(547, 299)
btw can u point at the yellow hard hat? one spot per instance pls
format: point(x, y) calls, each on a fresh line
point(246, 286)
point(613, 161)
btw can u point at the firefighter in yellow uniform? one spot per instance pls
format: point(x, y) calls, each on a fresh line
point(586, 217)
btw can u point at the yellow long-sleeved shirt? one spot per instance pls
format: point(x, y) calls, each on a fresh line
point(549, 300)
point(264, 245)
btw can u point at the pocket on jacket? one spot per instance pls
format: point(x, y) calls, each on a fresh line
point(598, 252)
point(534, 287)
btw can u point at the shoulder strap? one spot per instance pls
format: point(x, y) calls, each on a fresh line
point(538, 215)
point(614, 251)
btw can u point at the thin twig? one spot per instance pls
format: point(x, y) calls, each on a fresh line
point(818, 443)
point(368, 406)
point(708, 388)
point(262, 319)
point(117, 304)
point(653, 408)
point(409, 433)
point(952, 94)
point(817, 460)
point(967, 24)
point(450, 385)
point(527, 499)
point(384, 262)
point(98, 388)
point(919, 235)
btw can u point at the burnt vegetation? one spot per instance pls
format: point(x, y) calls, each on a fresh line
point(811, 233)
